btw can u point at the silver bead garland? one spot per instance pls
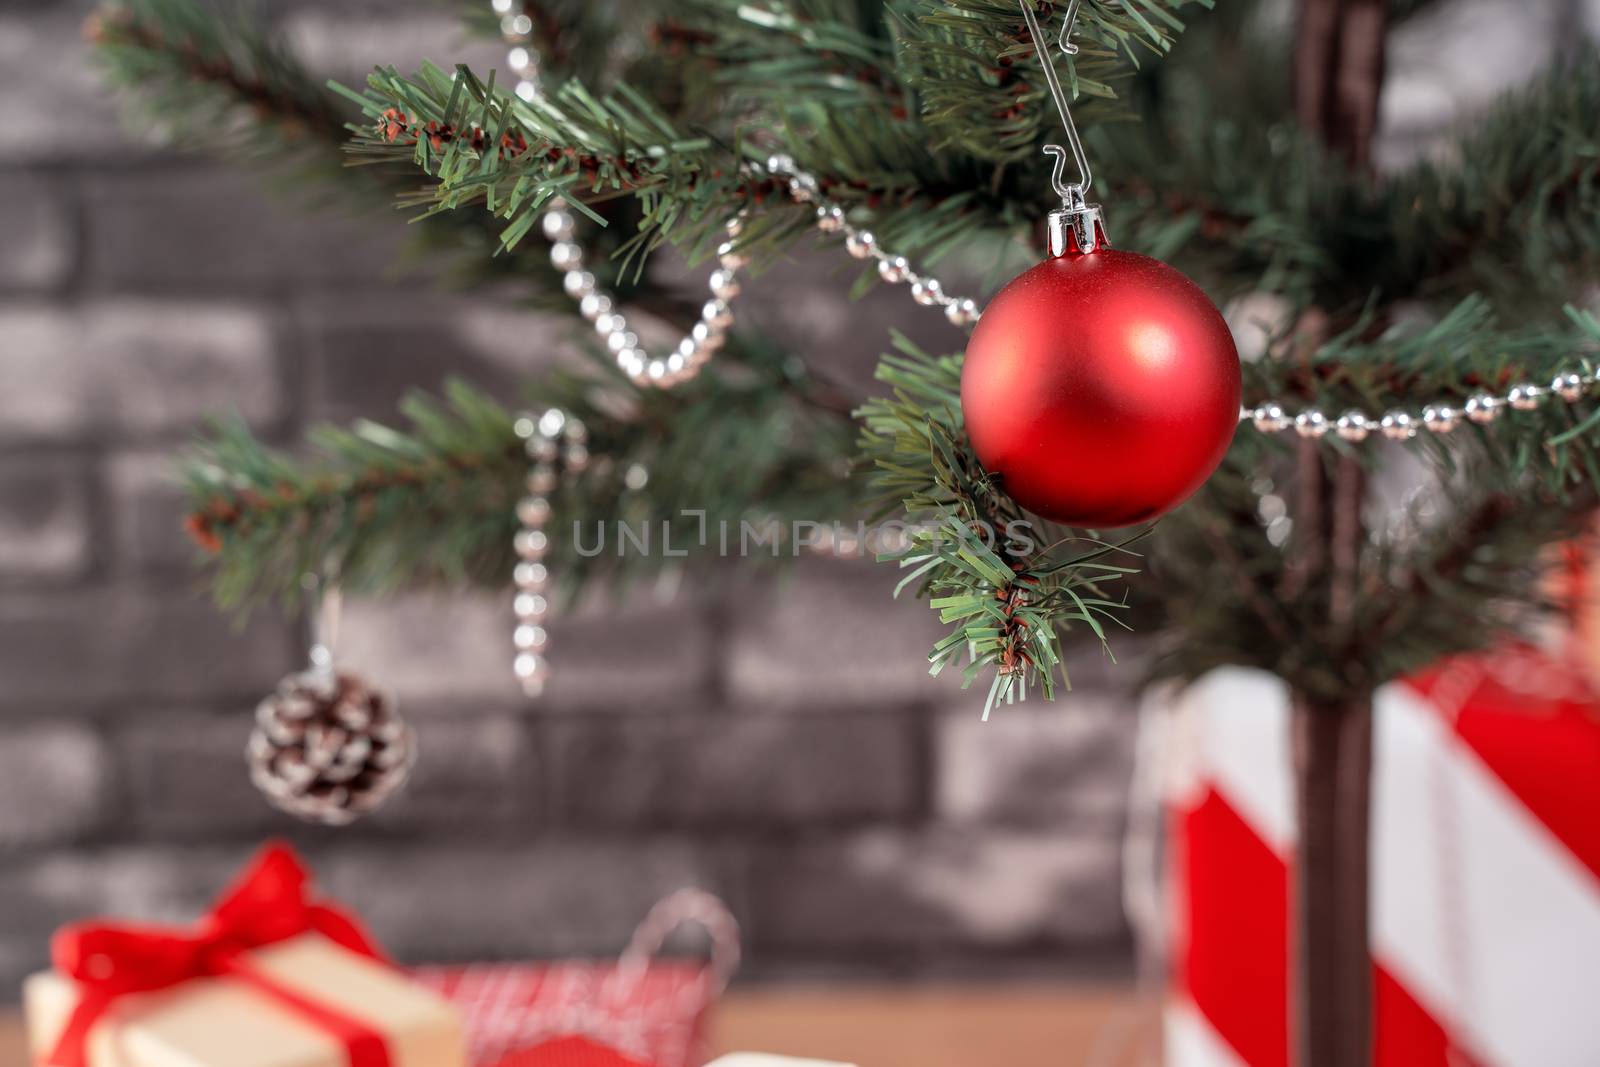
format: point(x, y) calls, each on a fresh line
point(694, 351)
point(1483, 408)
point(559, 226)
point(1437, 418)
point(556, 442)
point(893, 268)
point(1398, 426)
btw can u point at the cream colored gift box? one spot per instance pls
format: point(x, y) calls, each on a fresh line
point(224, 1022)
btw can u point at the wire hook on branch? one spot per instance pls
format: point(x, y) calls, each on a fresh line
point(1072, 195)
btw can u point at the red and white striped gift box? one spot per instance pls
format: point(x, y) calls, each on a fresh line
point(649, 1009)
point(1486, 868)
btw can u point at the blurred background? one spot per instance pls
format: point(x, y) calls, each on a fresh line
point(771, 739)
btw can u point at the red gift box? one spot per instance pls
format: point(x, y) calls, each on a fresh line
point(1485, 856)
point(567, 1013)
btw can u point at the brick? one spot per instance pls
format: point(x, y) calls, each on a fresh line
point(44, 516)
point(475, 776)
point(365, 359)
point(1063, 765)
point(454, 649)
point(829, 634)
point(348, 45)
point(204, 230)
point(186, 778)
point(47, 377)
point(148, 506)
point(447, 648)
point(640, 655)
point(134, 368)
point(120, 647)
point(559, 898)
point(884, 890)
point(45, 58)
point(181, 364)
point(54, 783)
point(36, 234)
point(745, 771)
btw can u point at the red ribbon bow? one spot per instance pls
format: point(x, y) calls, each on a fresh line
point(266, 905)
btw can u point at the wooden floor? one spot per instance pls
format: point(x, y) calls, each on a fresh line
point(945, 1026)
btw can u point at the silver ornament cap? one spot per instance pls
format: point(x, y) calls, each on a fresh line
point(1075, 227)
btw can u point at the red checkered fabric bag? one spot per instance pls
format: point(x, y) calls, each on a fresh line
point(639, 1009)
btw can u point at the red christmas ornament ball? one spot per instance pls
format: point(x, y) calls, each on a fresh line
point(1101, 389)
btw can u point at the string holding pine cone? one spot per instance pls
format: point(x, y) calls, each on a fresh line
point(329, 748)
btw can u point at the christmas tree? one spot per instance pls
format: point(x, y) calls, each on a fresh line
point(1422, 324)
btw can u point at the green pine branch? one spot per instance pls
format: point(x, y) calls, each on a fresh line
point(853, 101)
point(924, 119)
point(433, 500)
point(1452, 569)
point(1449, 569)
point(485, 147)
point(1232, 192)
point(217, 79)
point(1008, 584)
point(976, 66)
point(1515, 213)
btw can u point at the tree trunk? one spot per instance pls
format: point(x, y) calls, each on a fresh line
point(1338, 77)
point(1332, 996)
point(1331, 740)
point(1338, 73)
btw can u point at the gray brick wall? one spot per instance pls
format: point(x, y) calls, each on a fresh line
point(775, 740)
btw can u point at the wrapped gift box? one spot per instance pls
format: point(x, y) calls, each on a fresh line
point(1485, 867)
point(269, 979)
point(224, 1021)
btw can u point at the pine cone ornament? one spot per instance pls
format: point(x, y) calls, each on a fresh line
point(329, 748)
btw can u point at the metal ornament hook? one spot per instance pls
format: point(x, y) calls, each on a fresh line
point(1077, 224)
point(328, 602)
point(1064, 42)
